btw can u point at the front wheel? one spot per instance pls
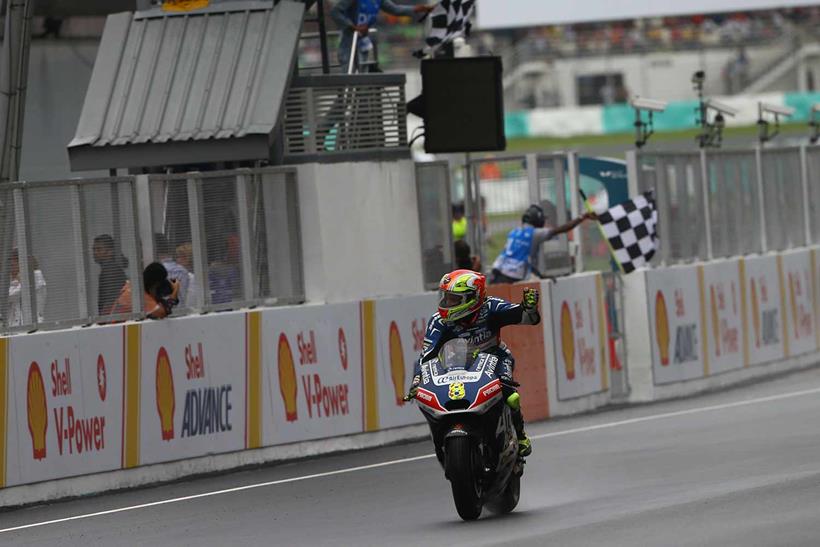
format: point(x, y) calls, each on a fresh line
point(508, 499)
point(461, 470)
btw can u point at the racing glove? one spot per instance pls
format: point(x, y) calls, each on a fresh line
point(529, 303)
point(531, 297)
point(414, 389)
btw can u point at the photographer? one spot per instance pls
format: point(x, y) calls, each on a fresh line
point(159, 298)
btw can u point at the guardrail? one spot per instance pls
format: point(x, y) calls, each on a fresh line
point(725, 203)
point(69, 246)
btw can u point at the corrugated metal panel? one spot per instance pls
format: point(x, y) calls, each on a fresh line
point(182, 78)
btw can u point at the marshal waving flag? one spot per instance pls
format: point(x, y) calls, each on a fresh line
point(631, 230)
point(448, 20)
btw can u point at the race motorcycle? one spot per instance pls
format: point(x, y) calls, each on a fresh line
point(461, 396)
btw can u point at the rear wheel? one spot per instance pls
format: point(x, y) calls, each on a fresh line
point(461, 470)
point(508, 499)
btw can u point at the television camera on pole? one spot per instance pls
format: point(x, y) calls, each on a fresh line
point(764, 126)
point(711, 132)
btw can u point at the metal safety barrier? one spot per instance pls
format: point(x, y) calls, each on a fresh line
point(722, 203)
point(68, 247)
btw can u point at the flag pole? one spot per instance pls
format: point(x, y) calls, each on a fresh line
point(589, 209)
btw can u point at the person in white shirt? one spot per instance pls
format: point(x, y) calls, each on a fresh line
point(15, 304)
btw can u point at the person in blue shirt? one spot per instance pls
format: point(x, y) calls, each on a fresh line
point(521, 250)
point(359, 16)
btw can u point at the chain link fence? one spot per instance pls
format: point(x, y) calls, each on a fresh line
point(72, 252)
point(723, 203)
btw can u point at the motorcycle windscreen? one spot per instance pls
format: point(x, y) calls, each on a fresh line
point(456, 354)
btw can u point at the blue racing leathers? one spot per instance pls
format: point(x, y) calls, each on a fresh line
point(482, 333)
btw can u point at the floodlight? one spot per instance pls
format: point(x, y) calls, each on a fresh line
point(814, 123)
point(644, 129)
point(721, 107)
point(776, 109)
point(763, 125)
point(651, 105)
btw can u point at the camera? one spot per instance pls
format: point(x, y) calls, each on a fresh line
point(651, 105)
point(699, 77)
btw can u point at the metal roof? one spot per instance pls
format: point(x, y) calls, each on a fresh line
point(187, 88)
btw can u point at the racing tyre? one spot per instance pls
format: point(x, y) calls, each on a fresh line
point(508, 499)
point(460, 465)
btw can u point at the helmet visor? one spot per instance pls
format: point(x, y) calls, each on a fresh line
point(448, 300)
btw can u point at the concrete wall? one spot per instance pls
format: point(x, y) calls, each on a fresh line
point(360, 230)
point(664, 75)
point(59, 72)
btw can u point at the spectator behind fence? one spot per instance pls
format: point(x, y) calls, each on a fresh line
point(15, 304)
point(165, 255)
point(464, 260)
point(112, 272)
point(185, 258)
point(223, 271)
point(160, 295)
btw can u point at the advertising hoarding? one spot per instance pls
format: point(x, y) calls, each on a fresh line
point(676, 324)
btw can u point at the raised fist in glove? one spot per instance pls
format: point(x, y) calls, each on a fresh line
point(530, 300)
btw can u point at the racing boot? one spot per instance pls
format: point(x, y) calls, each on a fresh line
point(524, 443)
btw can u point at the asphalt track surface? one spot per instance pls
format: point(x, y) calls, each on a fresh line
point(741, 467)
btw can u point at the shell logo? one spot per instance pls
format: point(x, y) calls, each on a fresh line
point(287, 378)
point(397, 363)
point(793, 302)
point(102, 378)
point(715, 320)
point(343, 348)
point(567, 341)
point(166, 402)
point(755, 313)
point(37, 411)
point(662, 328)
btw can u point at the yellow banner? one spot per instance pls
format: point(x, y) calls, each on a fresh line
point(370, 384)
point(254, 372)
point(131, 451)
point(184, 5)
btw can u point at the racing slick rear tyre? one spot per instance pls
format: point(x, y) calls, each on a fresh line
point(508, 499)
point(460, 459)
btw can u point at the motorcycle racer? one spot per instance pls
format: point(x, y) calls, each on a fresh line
point(465, 311)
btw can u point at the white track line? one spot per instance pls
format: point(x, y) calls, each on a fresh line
point(416, 458)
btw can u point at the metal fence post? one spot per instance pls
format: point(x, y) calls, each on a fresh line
point(632, 172)
point(764, 245)
point(241, 185)
point(662, 203)
point(533, 185)
point(142, 188)
point(576, 208)
point(804, 181)
point(28, 296)
point(79, 232)
point(197, 240)
point(135, 266)
point(7, 223)
point(707, 203)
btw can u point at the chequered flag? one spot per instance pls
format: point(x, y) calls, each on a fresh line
point(449, 19)
point(631, 229)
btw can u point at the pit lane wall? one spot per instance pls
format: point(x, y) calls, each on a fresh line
point(710, 325)
point(105, 407)
point(154, 400)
